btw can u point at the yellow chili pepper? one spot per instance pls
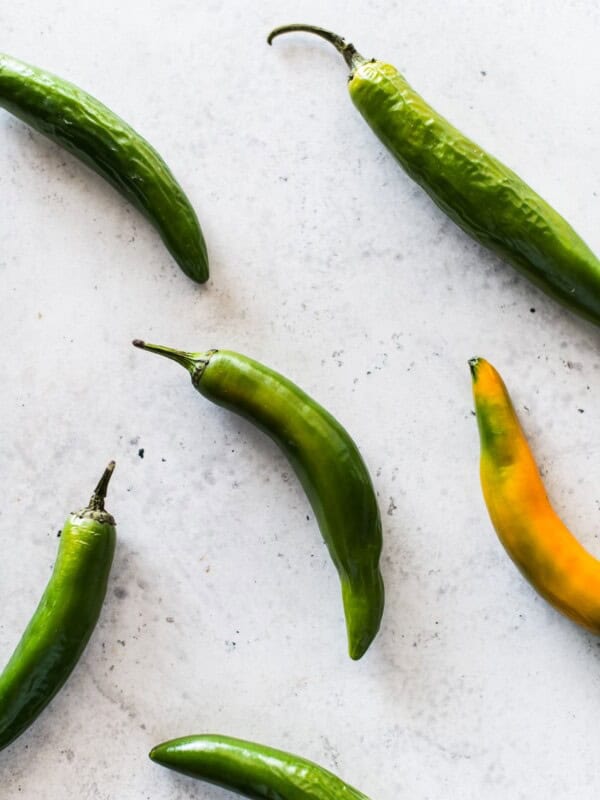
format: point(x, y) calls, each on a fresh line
point(541, 546)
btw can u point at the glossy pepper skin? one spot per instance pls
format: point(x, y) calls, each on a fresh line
point(89, 130)
point(541, 546)
point(327, 462)
point(481, 195)
point(64, 619)
point(252, 770)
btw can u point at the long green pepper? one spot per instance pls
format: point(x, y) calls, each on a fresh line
point(64, 619)
point(484, 197)
point(97, 136)
point(325, 459)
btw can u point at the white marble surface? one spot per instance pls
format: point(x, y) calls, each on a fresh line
point(223, 612)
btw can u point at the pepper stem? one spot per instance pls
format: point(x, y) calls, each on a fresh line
point(473, 364)
point(351, 56)
point(97, 500)
point(187, 360)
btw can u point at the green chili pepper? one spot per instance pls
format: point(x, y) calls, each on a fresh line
point(252, 770)
point(485, 198)
point(65, 618)
point(327, 462)
point(92, 132)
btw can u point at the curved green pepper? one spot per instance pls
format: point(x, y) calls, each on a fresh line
point(485, 198)
point(65, 618)
point(252, 770)
point(92, 132)
point(327, 462)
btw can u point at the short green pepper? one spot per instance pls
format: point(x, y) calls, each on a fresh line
point(64, 619)
point(252, 770)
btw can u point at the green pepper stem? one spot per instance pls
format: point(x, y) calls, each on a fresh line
point(187, 360)
point(473, 364)
point(351, 56)
point(98, 497)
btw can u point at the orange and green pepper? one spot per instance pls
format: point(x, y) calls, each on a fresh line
point(536, 539)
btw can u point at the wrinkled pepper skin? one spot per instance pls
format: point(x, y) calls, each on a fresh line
point(252, 770)
point(325, 459)
point(481, 195)
point(93, 133)
point(538, 542)
point(64, 619)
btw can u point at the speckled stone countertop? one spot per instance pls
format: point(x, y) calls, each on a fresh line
point(329, 264)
